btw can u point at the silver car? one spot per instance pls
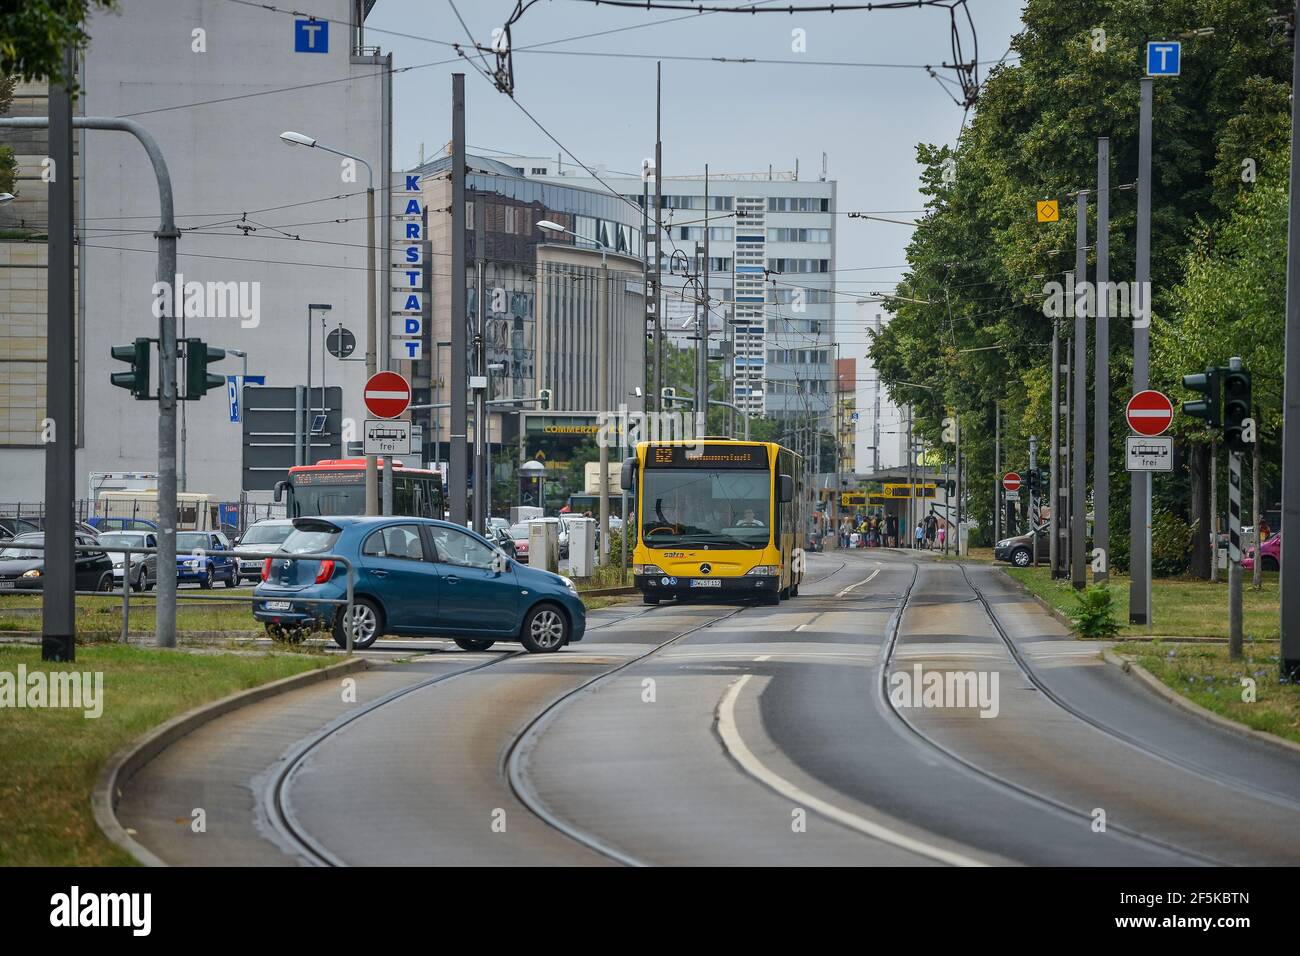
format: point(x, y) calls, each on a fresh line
point(263, 536)
point(143, 572)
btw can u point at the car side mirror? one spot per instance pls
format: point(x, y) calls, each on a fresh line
point(500, 563)
point(785, 489)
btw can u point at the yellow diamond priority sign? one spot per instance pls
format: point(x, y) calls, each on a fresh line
point(1048, 210)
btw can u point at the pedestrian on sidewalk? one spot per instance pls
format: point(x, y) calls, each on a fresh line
point(920, 535)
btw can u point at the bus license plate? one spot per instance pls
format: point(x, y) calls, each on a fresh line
point(706, 583)
point(278, 605)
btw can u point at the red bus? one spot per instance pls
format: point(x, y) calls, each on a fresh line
point(337, 486)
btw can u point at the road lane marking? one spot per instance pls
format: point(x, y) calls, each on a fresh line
point(866, 580)
point(763, 657)
point(740, 752)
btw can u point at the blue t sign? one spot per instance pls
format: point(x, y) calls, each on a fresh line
point(1164, 58)
point(311, 36)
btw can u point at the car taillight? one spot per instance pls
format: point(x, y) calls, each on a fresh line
point(266, 570)
point(325, 573)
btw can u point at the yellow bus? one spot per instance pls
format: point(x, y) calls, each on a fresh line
point(716, 516)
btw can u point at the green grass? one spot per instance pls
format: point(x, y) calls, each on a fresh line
point(52, 757)
point(979, 555)
point(1180, 607)
point(1204, 674)
point(99, 618)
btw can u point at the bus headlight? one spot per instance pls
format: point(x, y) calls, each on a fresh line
point(647, 569)
point(764, 569)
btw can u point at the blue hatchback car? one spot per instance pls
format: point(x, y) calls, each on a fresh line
point(415, 577)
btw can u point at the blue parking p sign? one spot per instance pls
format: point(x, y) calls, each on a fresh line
point(311, 36)
point(1164, 58)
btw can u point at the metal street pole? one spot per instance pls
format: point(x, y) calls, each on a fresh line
point(702, 356)
point(1234, 544)
point(372, 323)
point(1101, 389)
point(480, 363)
point(1054, 462)
point(57, 629)
point(457, 455)
point(1289, 573)
point(58, 597)
point(1139, 593)
point(308, 419)
point(658, 289)
point(604, 361)
point(997, 472)
point(1078, 444)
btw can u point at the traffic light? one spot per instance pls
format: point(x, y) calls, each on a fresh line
point(1236, 406)
point(669, 396)
point(137, 380)
point(198, 356)
point(1031, 480)
point(1207, 385)
point(544, 398)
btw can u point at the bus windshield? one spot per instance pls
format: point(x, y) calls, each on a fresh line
point(697, 507)
point(317, 500)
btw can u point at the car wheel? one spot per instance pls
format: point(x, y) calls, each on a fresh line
point(138, 584)
point(1269, 563)
point(473, 644)
point(545, 630)
point(233, 581)
point(649, 599)
point(105, 582)
point(206, 582)
point(367, 624)
point(1021, 557)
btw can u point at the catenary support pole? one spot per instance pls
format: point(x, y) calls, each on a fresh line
point(1054, 462)
point(1139, 588)
point(458, 452)
point(1079, 439)
point(1289, 574)
point(1101, 388)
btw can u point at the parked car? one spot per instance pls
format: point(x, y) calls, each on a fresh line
point(415, 576)
point(263, 536)
point(23, 569)
point(502, 539)
point(1018, 549)
point(205, 557)
point(143, 573)
point(1270, 555)
point(519, 537)
point(100, 525)
point(12, 527)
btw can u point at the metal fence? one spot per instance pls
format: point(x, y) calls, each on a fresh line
point(245, 513)
point(125, 592)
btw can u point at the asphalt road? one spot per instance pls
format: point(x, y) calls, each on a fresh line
point(704, 734)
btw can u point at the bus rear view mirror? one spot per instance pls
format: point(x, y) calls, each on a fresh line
point(279, 490)
point(627, 477)
point(785, 489)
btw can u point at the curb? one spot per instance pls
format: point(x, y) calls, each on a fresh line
point(124, 764)
point(1167, 693)
point(608, 592)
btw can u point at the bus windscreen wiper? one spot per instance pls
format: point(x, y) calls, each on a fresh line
point(716, 537)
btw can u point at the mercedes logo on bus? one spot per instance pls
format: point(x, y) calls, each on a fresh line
point(705, 568)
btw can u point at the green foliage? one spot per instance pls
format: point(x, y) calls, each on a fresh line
point(8, 164)
point(35, 33)
point(1171, 541)
point(979, 262)
point(1094, 613)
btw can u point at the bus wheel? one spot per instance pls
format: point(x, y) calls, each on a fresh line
point(649, 599)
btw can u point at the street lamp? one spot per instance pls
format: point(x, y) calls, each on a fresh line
point(302, 139)
point(602, 375)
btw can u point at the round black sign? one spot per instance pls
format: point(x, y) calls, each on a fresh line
point(341, 342)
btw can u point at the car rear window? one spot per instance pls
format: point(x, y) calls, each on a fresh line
point(315, 541)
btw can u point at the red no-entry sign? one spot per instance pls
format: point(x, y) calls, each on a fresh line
point(1149, 412)
point(387, 394)
point(1011, 481)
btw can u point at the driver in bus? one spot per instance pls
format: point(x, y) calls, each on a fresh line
point(750, 520)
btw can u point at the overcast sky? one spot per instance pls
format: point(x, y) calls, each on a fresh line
point(736, 117)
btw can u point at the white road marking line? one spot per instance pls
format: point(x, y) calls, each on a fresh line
point(866, 580)
point(741, 753)
point(763, 657)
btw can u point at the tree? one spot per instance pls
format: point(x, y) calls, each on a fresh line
point(970, 321)
point(8, 164)
point(35, 33)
